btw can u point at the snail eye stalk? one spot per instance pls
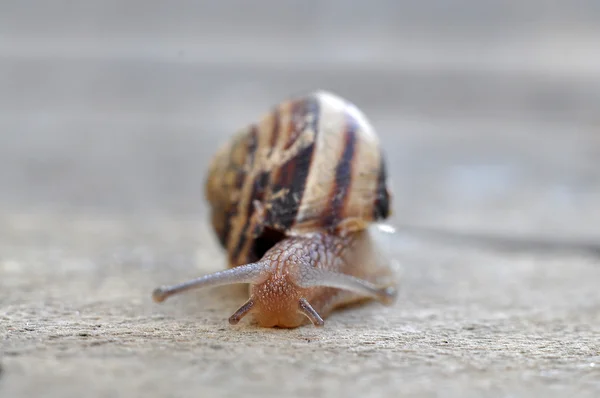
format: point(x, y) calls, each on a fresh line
point(249, 273)
point(307, 310)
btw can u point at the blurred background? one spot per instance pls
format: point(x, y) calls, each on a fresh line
point(489, 111)
point(110, 111)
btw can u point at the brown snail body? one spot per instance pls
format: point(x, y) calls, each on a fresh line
point(296, 200)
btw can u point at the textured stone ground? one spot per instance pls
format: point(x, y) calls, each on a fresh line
point(109, 114)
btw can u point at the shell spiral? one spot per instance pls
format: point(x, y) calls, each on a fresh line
point(313, 163)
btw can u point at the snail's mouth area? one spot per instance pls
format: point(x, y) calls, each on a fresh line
point(269, 238)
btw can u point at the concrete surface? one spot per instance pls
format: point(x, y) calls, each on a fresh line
point(110, 111)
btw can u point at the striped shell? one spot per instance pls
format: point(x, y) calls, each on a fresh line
point(312, 163)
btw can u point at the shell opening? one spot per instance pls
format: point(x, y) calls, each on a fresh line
point(267, 239)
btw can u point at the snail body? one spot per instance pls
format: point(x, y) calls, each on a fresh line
point(296, 201)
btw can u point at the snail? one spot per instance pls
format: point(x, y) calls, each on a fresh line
point(297, 200)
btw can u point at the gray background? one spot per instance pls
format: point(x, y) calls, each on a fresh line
point(111, 110)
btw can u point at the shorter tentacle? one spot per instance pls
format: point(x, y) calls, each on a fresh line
point(306, 309)
point(241, 312)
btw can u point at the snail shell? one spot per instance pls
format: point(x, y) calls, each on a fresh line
point(313, 163)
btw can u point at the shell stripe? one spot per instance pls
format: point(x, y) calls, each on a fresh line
point(252, 145)
point(286, 186)
point(358, 208)
point(250, 189)
point(248, 230)
point(290, 183)
point(341, 187)
point(253, 187)
point(381, 206)
point(321, 175)
point(224, 233)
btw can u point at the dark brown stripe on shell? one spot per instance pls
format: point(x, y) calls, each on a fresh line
point(242, 175)
point(258, 191)
point(381, 206)
point(252, 145)
point(223, 234)
point(301, 109)
point(232, 211)
point(292, 176)
point(343, 176)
